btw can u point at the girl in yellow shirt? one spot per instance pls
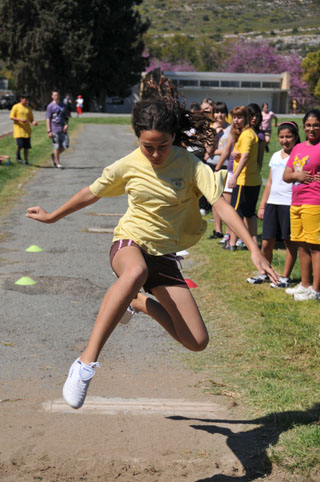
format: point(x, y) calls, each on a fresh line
point(163, 183)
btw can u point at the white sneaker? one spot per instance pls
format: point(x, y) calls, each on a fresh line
point(310, 294)
point(225, 239)
point(59, 166)
point(297, 290)
point(128, 314)
point(257, 280)
point(282, 283)
point(76, 385)
point(203, 212)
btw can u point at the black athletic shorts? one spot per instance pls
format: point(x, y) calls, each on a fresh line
point(162, 270)
point(244, 200)
point(23, 142)
point(276, 222)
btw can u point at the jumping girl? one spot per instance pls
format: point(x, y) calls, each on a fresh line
point(274, 207)
point(163, 182)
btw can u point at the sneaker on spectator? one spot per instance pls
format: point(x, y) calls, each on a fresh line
point(203, 212)
point(310, 294)
point(282, 283)
point(128, 314)
point(229, 247)
point(225, 239)
point(257, 280)
point(299, 289)
point(59, 166)
point(216, 235)
point(77, 383)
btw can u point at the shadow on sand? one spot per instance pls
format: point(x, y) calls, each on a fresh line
point(250, 447)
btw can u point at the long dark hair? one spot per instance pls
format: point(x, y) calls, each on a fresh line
point(254, 110)
point(164, 111)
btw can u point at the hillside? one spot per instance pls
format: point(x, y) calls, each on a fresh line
point(220, 18)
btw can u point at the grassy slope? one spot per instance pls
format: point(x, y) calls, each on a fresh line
point(225, 16)
point(264, 350)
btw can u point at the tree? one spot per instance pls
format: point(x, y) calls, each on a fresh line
point(261, 57)
point(90, 46)
point(202, 53)
point(311, 67)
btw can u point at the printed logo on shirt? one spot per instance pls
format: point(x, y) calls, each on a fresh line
point(298, 164)
point(178, 183)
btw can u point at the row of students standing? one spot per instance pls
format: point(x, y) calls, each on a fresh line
point(291, 196)
point(290, 206)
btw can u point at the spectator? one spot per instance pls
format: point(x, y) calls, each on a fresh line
point(79, 105)
point(57, 127)
point(274, 207)
point(223, 132)
point(246, 179)
point(266, 126)
point(303, 171)
point(22, 118)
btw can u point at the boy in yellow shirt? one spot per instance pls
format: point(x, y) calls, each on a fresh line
point(22, 118)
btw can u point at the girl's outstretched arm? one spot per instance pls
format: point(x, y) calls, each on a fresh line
point(80, 200)
point(233, 220)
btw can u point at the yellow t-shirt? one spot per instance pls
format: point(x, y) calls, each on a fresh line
point(163, 214)
point(248, 143)
point(21, 129)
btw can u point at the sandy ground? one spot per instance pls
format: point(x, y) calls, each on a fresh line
point(44, 327)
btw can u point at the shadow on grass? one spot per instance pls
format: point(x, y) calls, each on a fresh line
point(250, 447)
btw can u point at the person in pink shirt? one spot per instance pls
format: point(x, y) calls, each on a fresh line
point(303, 170)
point(266, 124)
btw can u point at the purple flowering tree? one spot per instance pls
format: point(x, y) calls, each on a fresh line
point(261, 57)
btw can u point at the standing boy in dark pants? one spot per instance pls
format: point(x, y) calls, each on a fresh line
point(22, 118)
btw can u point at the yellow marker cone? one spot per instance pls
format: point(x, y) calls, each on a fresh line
point(25, 281)
point(34, 249)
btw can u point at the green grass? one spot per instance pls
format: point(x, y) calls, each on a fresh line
point(264, 350)
point(124, 120)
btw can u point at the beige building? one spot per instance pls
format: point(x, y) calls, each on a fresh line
point(231, 88)
point(234, 88)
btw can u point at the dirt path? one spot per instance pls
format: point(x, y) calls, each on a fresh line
point(152, 422)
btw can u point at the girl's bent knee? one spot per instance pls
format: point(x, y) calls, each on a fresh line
point(199, 345)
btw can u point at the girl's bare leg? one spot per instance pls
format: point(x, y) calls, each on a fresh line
point(251, 224)
point(131, 268)
point(305, 264)
point(227, 196)
point(181, 316)
point(315, 257)
point(267, 248)
point(152, 308)
point(217, 220)
point(291, 256)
